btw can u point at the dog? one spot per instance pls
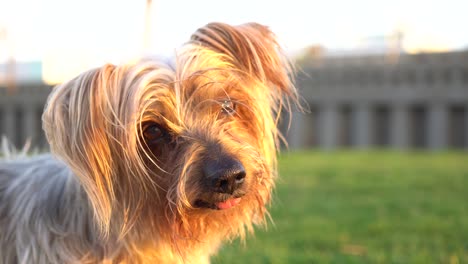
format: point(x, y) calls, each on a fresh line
point(153, 161)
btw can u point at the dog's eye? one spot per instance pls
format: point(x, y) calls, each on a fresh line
point(228, 107)
point(153, 132)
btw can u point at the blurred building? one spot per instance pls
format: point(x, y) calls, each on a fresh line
point(389, 100)
point(397, 101)
point(22, 99)
point(20, 114)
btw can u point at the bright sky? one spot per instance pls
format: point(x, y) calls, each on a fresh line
point(71, 36)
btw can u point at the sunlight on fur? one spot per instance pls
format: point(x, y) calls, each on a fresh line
point(153, 162)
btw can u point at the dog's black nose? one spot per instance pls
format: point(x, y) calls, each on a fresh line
point(224, 174)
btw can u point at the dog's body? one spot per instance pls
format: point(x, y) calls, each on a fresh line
point(157, 162)
point(47, 218)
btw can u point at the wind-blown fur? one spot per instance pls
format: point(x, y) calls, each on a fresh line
point(121, 192)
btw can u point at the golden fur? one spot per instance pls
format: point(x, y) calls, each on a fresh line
point(222, 95)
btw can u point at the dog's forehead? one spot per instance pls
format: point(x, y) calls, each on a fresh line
point(199, 87)
point(195, 104)
point(206, 83)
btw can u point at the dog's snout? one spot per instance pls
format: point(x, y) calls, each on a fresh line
point(224, 175)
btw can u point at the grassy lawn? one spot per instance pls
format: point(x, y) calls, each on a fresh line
point(363, 207)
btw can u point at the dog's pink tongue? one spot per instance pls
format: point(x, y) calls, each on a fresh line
point(228, 203)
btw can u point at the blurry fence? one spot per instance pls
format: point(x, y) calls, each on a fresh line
point(410, 101)
point(20, 114)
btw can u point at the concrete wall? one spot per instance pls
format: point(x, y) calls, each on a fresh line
point(20, 114)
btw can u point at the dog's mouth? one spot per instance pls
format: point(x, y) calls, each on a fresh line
point(220, 205)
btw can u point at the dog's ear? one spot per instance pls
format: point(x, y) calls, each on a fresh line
point(75, 122)
point(253, 48)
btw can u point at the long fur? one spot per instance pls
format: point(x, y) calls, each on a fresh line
point(111, 197)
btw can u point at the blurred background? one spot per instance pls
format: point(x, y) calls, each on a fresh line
point(373, 73)
point(385, 84)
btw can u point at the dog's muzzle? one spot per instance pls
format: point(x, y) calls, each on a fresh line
point(224, 179)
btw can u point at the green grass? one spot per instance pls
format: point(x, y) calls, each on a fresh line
point(363, 207)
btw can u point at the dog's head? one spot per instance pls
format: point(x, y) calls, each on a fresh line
point(191, 143)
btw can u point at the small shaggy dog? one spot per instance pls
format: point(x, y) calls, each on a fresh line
point(157, 162)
